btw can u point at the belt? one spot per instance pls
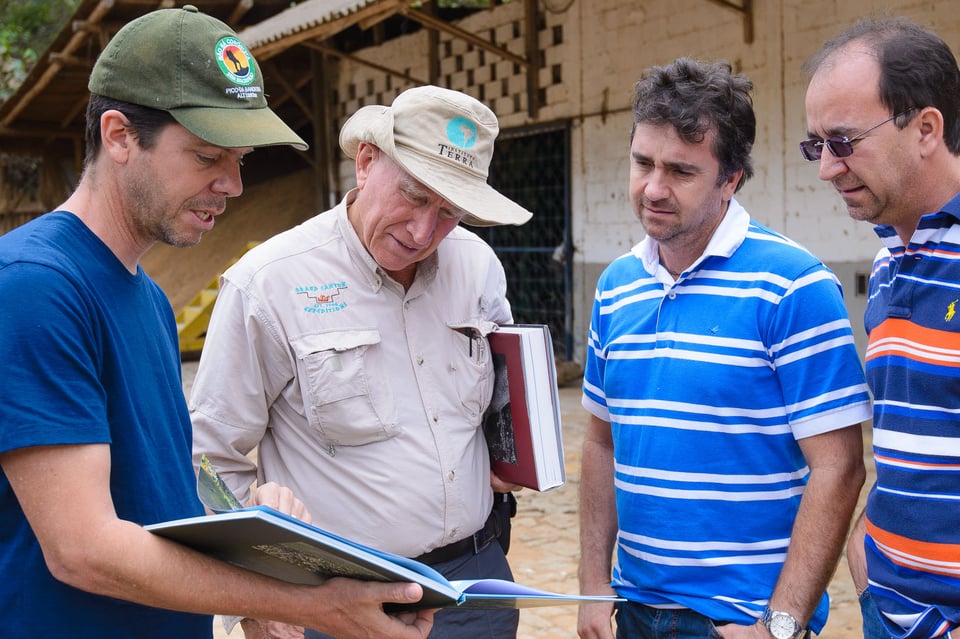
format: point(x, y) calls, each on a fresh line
point(472, 544)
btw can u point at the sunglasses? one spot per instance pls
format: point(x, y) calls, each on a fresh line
point(840, 147)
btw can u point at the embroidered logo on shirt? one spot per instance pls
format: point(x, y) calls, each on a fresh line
point(951, 310)
point(323, 298)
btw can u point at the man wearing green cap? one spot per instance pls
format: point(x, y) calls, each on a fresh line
point(96, 437)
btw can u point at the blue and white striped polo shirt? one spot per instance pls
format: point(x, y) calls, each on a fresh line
point(707, 383)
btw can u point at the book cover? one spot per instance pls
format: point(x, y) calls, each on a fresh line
point(522, 424)
point(269, 542)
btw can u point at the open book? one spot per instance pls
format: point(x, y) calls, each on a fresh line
point(522, 425)
point(266, 541)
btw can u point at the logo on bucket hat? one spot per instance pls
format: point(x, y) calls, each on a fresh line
point(165, 60)
point(444, 140)
point(462, 132)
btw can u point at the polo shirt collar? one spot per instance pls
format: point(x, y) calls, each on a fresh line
point(891, 240)
point(725, 241)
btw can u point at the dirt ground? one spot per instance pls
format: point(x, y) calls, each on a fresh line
point(544, 551)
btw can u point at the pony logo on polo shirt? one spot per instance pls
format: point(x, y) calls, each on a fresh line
point(951, 310)
point(235, 61)
point(462, 134)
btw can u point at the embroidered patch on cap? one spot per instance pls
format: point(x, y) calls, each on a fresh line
point(235, 61)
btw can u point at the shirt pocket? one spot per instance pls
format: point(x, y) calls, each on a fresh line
point(472, 364)
point(342, 404)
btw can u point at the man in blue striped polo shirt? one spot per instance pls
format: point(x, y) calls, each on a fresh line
point(884, 100)
point(724, 453)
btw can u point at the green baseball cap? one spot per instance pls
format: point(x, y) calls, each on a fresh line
point(195, 68)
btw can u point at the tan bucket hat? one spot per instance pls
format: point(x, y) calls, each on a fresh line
point(443, 139)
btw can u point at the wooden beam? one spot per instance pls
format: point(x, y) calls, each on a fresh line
point(316, 46)
point(746, 10)
point(433, 48)
point(531, 40)
point(323, 150)
point(432, 22)
point(31, 133)
point(65, 60)
point(102, 8)
point(74, 111)
point(372, 14)
point(275, 76)
point(238, 12)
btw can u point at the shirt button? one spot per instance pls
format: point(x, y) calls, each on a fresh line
point(672, 295)
point(453, 534)
point(419, 360)
point(435, 417)
point(451, 475)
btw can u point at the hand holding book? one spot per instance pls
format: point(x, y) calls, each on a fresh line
point(522, 424)
point(269, 542)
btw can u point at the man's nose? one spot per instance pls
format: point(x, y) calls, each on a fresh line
point(424, 224)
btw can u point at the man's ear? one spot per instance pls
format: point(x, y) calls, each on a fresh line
point(729, 186)
point(116, 136)
point(367, 154)
point(929, 123)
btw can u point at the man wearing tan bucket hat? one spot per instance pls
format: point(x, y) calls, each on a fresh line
point(95, 438)
point(357, 351)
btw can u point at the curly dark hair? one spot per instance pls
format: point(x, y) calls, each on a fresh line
point(917, 69)
point(696, 97)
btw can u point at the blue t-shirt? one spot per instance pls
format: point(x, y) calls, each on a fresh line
point(90, 356)
point(913, 367)
point(707, 383)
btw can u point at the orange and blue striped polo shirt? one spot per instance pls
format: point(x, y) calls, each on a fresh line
point(913, 368)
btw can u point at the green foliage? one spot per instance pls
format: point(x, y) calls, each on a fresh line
point(27, 28)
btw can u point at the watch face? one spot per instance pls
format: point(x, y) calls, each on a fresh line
point(782, 626)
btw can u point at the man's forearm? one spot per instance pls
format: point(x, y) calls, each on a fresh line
point(819, 534)
point(598, 511)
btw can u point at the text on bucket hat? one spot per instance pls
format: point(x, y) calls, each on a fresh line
point(194, 67)
point(443, 139)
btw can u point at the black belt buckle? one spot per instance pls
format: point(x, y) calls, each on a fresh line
point(475, 543)
point(478, 544)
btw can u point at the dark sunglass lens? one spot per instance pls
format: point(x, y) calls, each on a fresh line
point(811, 150)
point(839, 147)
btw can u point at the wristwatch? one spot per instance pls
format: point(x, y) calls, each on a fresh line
point(781, 625)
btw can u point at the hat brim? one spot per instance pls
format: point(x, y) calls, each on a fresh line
point(484, 205)
point(238, 128)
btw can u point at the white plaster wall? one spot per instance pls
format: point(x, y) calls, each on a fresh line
point(606, 46)
point(620, 40)
point(815, 215)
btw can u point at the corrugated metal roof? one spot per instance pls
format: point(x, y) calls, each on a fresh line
point(304, 17)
